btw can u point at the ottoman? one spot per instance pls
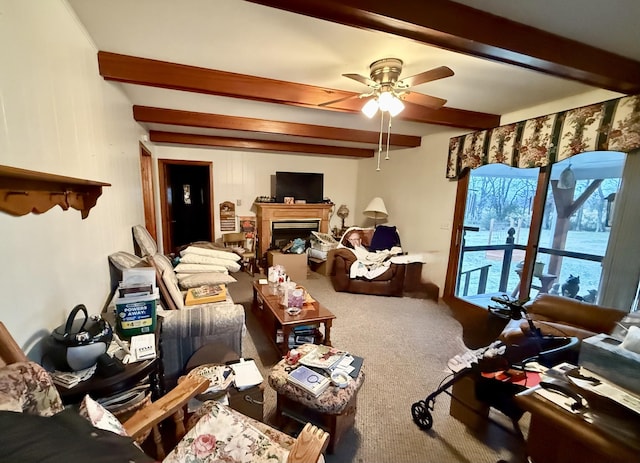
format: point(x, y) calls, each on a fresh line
point(334, 410)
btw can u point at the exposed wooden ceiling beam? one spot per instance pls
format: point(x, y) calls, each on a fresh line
point(265, 145)
point(463, 29)
point(217, 121)
point(143, 71)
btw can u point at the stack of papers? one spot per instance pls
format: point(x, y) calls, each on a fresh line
point(324, 357)
point(246, 374)
point(309, 380)
point(68, 379)
point(220, 376)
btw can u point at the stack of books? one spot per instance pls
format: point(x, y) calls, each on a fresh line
point(313, 382)
point(304, 334)
point(206, 294)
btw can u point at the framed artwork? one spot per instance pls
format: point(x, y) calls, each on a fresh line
point(248, 225)
point(288, 199)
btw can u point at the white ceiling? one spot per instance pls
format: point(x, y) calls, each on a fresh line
point(247, 38)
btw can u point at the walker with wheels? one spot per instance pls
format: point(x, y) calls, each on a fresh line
point(546, 350)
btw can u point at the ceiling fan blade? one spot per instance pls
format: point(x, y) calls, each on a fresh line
point(424, 100)
point(427, 76)
point(361, 79)
point(327, 103)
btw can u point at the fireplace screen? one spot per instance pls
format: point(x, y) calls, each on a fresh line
point(284, 231)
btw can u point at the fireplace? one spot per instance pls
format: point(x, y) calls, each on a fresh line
point(284, 231)
point(269, 213)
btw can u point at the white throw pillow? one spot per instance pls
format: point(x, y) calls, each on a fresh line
point(211, 253)
point(194, 280)
point(199, 268)
point(208, 260)
point(100, 417)
point(144, 240)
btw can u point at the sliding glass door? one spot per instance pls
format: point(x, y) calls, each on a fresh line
point(523, 232)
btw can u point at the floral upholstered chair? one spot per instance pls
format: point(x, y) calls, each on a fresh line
point(37, 427)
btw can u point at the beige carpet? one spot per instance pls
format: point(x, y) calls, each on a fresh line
point(406, 343)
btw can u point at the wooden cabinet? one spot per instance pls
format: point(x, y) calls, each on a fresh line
point(267, 213)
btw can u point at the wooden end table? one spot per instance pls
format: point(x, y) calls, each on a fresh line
point(272, 315)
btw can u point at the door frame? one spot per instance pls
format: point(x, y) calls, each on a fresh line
point(148, 202)
point(165, 207)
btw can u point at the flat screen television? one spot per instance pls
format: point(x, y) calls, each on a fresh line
point(300, 185)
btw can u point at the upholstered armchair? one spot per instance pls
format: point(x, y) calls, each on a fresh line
point(388, 283)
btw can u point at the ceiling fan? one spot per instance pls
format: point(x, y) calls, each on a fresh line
point(388, 91)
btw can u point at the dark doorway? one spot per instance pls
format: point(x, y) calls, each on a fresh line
point(187, 206)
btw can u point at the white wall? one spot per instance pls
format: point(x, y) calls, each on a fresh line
point(57, 115)
point(246, 175)
point(419, 199)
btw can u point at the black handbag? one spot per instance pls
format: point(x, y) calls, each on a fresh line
point(77, 344)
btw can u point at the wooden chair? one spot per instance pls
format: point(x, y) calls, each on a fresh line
point(240, 240)
point(308, 447)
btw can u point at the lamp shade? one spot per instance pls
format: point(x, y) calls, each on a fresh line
point(376, 209)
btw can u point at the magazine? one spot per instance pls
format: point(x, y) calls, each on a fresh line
point(311, 381)
point(323, 357)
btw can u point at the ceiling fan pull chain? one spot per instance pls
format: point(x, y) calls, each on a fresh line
point(388, 137)
point(380, 139)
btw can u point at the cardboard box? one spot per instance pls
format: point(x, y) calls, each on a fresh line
point(603, 355)
point(295, 264)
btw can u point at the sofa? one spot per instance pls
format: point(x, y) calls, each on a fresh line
point(388, 283)
point(185, 329)
point(562, 316)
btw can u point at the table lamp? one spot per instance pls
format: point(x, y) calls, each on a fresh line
point(376, 210)
point(343, 213)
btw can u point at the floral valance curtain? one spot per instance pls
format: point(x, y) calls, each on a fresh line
point(612, 125)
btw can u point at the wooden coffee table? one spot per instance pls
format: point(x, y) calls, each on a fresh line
point(272, 316)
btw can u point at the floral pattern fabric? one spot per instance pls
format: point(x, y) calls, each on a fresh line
point(332, 401)
point(27, 387)
point(223, 435)
point(613, 125)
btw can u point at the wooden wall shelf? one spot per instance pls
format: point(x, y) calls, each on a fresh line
point(24, 191)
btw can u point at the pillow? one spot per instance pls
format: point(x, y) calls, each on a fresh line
point(193, 280)
point(172, 287)
point(122, 260)
point(162, 263)
point(100, 417)
point(199, 268)
point(208, 260)
point(384, 237)
point(211, 253)
point(144, 240)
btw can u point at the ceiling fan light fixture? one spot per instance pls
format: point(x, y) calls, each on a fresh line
point(370, 108)
point(385, 100)
point(395, 106)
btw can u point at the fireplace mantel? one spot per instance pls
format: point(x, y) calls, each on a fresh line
point(273, 212)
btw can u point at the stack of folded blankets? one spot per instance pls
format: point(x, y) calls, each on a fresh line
point(195, 259)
